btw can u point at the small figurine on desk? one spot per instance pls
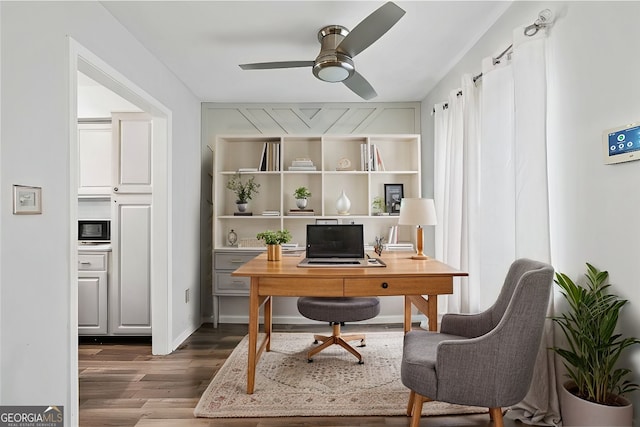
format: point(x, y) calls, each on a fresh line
point(377, 248)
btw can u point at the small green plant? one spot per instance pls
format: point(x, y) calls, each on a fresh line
point(378, 204)
point(274, 237)
point(594, 346)
point(244, 190)
point(302, 193)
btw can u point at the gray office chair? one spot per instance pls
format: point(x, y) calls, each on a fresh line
point(337, 311)
point(483, 359)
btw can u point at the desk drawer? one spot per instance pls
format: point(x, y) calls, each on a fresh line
point(397, 286)
point(228, 261)
point(301, 286)
point(227, 284)
point(92, 262)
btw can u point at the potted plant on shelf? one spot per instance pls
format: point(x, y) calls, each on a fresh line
point(244, 190)
point(301, 194)
point(594, 394)
point(274, 241)
point(378, 206)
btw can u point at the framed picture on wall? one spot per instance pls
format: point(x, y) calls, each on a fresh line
point(393, 194)
point(27, 200)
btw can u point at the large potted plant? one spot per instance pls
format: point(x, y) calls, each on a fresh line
point(594, 394)
point(244, 190)
point(274, 241)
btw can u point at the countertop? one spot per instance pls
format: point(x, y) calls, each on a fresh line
point(94, 247)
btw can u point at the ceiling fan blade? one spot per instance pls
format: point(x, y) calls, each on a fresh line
point(272, 65)
point(360, 86)
point(371, 29)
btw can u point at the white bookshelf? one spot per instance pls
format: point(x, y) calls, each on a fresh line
point(400, 153)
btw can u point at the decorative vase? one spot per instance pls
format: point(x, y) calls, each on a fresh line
point(301, 203)
point(579, 412)
point(343, 204)
point(274, 252)
point(242, 206)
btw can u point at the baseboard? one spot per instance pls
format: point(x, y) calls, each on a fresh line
point(184, 335)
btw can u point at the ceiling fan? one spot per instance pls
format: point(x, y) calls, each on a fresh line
point(334, 63)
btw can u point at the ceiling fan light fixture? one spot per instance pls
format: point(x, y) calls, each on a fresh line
point(333, 68)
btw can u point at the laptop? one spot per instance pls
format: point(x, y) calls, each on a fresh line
point(336, 245)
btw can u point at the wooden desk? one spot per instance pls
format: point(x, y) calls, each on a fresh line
point(413, 279)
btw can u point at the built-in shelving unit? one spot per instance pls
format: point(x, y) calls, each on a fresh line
point(400, 154)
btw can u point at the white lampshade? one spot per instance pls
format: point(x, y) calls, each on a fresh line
point(417, 212)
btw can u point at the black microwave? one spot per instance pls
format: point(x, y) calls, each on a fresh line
point(94, 230)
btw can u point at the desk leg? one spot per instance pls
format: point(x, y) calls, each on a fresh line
point(407, 314)
point(267, 322)
point(432, 314)
point(254, 307)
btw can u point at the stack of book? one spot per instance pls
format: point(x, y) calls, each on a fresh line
point(242, 213)
point(301, 212)
point(302, 164)
point(271, 213)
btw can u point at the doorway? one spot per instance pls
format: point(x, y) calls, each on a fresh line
point(83, 61)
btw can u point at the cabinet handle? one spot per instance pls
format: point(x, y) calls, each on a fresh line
point(237, 261)
point(384, 285)
point(115, 188)
point(238, 282)
point(85, 263)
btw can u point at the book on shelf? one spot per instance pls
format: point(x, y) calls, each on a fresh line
point(301, 212)
point(270, 159)
point(240, 170)
point(370, 158)
point(393, 235)
point(302, 168)
point(242, 213)
point(302, 162)
point(271, 213)
point(401, 246)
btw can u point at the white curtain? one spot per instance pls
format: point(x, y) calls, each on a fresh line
point(491, 192)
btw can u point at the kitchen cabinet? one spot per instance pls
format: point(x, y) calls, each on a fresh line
point(130, 295)
point(132, 144)
point(94, 158)
point(93, 293)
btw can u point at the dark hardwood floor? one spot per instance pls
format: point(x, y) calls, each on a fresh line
point(122, 384)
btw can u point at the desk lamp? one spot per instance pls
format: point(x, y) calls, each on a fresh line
point(418, 212)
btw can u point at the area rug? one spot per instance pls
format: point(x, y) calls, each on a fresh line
point(334, 384)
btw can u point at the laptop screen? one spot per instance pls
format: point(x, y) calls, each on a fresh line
point(335, 241)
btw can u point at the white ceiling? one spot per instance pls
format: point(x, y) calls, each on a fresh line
point(203, 42)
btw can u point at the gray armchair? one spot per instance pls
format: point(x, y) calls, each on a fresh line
point(483, 359)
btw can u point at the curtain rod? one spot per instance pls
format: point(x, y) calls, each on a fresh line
point(544, 20)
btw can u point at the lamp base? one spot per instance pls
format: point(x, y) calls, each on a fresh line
point(419, 257)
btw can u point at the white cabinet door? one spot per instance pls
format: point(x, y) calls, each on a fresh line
point(130, 296)
point(93, 289)
point(94, 159)
point(132, 153)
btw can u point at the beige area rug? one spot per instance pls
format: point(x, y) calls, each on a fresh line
point(333, 385)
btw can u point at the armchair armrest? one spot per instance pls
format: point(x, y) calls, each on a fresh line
point(466, 325)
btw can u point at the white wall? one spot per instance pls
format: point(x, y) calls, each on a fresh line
point(36, 363)
point(592, 85)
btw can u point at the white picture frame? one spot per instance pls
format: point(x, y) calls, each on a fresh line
point(27, 200)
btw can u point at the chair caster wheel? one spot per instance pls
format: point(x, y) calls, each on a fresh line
point(315, 342)
point(362, 344)
point(309, 360)
point(360, 362)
